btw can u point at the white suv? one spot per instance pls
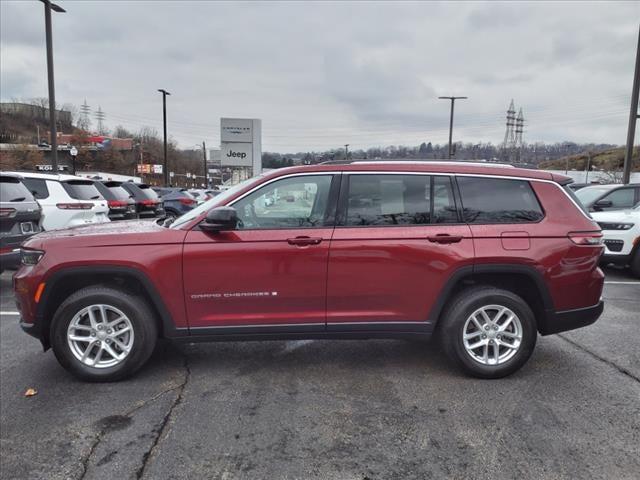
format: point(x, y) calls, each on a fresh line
point(621, 230)
point(66, 200)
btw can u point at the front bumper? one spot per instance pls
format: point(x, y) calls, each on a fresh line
point(616, 258)
point(556, 322)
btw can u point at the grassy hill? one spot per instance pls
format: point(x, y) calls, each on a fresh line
point(607, 160)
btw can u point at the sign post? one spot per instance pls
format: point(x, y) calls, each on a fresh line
point(74, 153)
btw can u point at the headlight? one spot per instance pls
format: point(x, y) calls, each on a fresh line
point(615, 226)
point(30, 257)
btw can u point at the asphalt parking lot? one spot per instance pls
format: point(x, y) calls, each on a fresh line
point(330, 410)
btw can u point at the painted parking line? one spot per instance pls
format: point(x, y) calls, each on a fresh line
point(621, 283)
point(9, 313)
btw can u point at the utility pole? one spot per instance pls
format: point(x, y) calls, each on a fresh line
point(346, 151)
point(165, 169)
point(48, 6)
point(586, 177)
point(204, 158)
point(453, 101)
point(633, 117)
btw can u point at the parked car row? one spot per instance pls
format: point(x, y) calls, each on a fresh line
point(32, 202)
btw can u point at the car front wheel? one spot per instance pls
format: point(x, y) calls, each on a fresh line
point(489, 332)
point(103, 334)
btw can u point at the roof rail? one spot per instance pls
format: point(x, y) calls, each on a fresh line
point(417, 162)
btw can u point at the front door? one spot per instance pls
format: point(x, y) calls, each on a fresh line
point(271, 270)
point(397, 240)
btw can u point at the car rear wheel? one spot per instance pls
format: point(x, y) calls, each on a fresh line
point(103, 334)
point(489, 332)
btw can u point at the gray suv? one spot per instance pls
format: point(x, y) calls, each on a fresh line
point(19, 218)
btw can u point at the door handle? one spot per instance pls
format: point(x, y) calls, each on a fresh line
point(444, 238)
point(304, 241)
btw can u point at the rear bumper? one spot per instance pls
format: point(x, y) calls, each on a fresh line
point(563, 321)
point(9, 260)
point(122, 215)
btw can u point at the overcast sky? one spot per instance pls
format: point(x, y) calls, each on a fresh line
point(323, 74)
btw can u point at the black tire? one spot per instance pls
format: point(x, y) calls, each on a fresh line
point(635, 263)
point(135, 308)
point(460, 308)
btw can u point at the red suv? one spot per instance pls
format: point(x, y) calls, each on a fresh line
point(484, 257)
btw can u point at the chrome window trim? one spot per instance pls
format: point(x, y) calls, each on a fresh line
point(396, 172)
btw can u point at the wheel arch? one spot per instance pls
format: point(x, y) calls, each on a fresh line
point(523, 280)
point(68, 280)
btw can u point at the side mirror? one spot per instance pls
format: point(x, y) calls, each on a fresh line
point(220, 219)
point(603, 204)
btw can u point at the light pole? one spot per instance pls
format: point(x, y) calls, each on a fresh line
point(453, 101)
point(165, 169)
point(633, 117)
point(48, 6)
point(346, 151)
point(204, 159)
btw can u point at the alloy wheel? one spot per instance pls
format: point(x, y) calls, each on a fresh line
point(492, 335)
point(100, 336)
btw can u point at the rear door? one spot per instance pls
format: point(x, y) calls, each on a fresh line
point(397, 240)
point(271, 272)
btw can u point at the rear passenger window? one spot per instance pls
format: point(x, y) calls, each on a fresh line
point(37, 186)
point(496, 200)
point(379, 200)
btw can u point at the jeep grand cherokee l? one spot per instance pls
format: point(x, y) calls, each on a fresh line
point(483, 257)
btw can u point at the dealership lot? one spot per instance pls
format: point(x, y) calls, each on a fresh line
point(336, 410)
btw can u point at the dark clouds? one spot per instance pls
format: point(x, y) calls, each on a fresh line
point(324, 74)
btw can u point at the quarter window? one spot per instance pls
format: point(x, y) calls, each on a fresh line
point(379, 200)
point(294, 202)
point(37, 186)
point(497, 200)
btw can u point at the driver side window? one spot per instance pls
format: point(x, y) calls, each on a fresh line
point(294, 202)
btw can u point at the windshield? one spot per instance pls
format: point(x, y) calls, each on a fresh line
point(82, 190)
point(12, 190)
point(588, 195)
point(119, 192)
point(214, 202)
point(148, 191)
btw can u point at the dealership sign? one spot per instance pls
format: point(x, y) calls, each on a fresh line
point(241, 143)
point(237, 154)
point(49, 168)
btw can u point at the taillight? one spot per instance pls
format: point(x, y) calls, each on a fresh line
point(149, 202)
point(74, 206)
point(116, 203)
point(186, 201)
point(586, 238)
point(7, 212)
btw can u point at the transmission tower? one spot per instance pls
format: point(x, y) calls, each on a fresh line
point(100, 117)
point(85, 111)
point(519, 129)
point(519, 143)
point(509, 134)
